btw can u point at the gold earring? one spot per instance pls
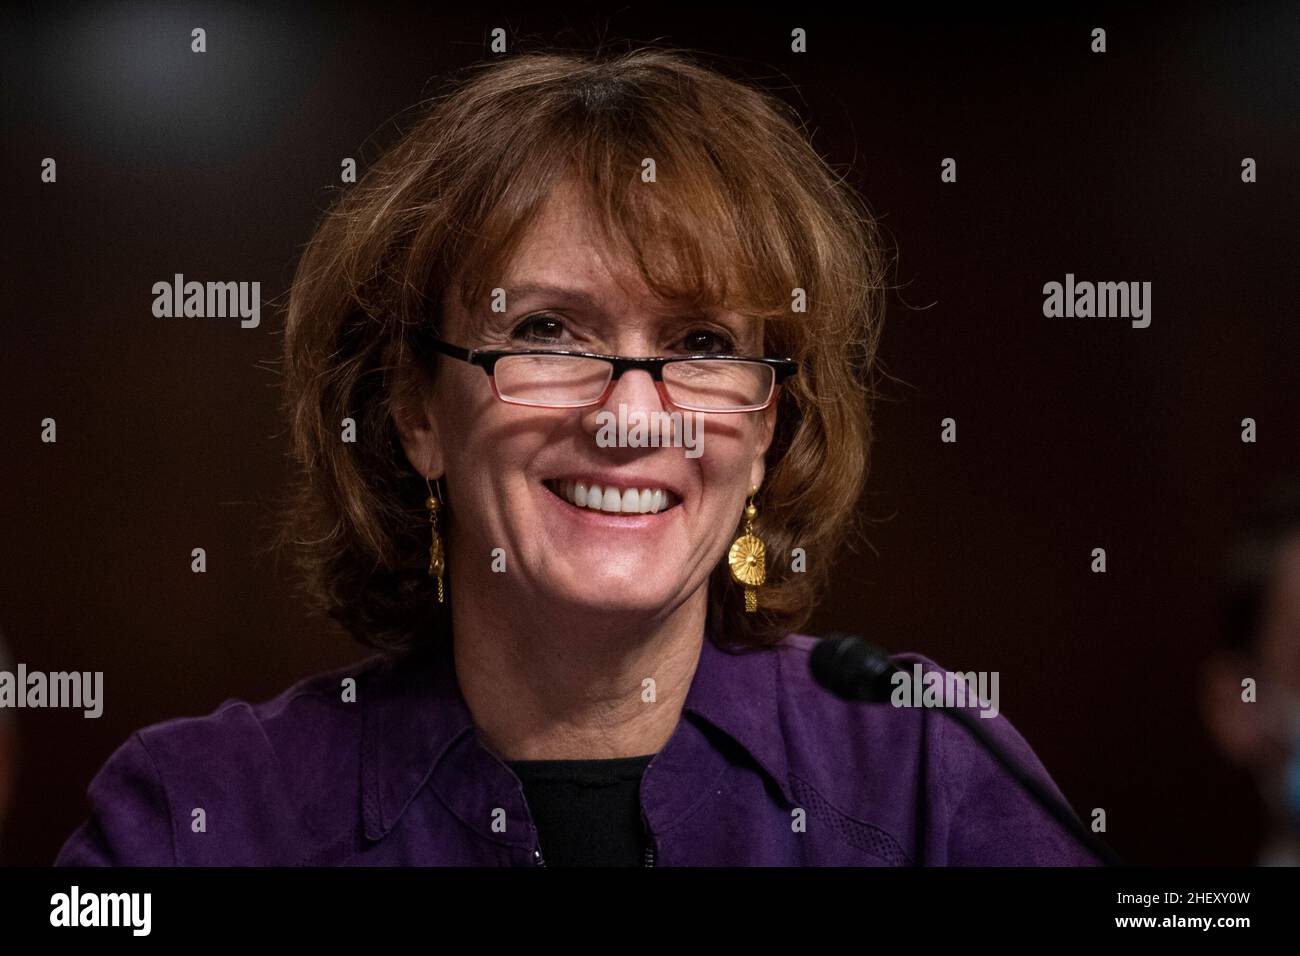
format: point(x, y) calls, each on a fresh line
point(437, 563)
point(746, 558)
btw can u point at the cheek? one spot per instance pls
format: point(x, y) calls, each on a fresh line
point(729, 455)
point(489, 449)
point(468, 416)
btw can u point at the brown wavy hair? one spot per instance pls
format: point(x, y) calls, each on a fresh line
point(743, 213)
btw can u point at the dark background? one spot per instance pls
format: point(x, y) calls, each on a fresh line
point(1073, 433)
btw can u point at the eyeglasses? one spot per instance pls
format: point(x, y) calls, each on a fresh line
point(556, 378)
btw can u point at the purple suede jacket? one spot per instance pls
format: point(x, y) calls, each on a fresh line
point(764, 768)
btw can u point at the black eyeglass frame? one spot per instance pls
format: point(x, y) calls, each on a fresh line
point(486, 359)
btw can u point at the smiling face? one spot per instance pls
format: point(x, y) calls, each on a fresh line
point(512, 472)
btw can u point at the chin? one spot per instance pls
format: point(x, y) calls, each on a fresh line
point(614, 594)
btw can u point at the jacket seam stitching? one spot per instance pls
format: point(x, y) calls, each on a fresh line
point(778, 673)
point(866, 823)
point(162, 785)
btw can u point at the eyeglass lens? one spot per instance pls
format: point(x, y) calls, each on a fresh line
point(569, 380)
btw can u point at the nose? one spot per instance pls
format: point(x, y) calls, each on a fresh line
point(636, 390)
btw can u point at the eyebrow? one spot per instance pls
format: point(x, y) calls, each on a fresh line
point(589, 300)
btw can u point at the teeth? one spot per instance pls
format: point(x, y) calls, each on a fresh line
point(612, 499)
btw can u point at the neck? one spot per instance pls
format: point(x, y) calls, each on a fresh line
point(567, 684)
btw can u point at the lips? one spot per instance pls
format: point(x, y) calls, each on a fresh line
point(613, 498)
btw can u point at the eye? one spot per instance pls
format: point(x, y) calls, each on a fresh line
point(540, 329)
point(706, 341)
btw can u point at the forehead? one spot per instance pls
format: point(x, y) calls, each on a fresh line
point(565, 249)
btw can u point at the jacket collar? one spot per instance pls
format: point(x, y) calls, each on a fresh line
point(418, 730)
point(738, 692)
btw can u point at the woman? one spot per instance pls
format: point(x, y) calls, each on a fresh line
point(586, 646)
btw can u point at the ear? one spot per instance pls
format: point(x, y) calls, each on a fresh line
point(417, 425)
point(767, 428)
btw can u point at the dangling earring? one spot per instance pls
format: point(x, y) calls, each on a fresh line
point(746, 558)
point(437, 563)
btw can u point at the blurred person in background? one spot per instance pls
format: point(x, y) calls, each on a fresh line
point(1261, 627)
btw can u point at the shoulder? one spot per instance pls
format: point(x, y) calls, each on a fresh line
point(295, 725)
point(909, 756)
point(199, 789)
point(903, 730)
point(828, 738)
point(825, 729)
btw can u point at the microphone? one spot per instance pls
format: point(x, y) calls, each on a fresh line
point(852, 669)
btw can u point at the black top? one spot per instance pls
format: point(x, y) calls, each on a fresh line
point(587, 812)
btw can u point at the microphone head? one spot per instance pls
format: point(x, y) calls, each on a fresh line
point(849, 667)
